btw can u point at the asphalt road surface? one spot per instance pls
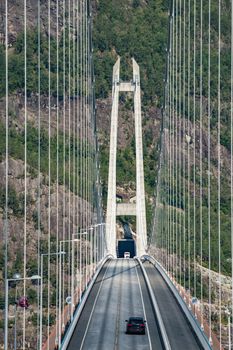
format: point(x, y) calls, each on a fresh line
point(177, 327)
point(119, 292)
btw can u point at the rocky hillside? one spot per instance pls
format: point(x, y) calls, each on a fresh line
point(16, 17)
point(72, 158)
point(129, 28)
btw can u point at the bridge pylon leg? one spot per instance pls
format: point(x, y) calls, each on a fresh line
point(140, 188)
point(111, 201)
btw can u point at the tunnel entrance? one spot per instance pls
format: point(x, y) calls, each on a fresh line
point(127, 244)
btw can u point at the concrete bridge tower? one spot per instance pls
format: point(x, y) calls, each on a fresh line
point(137, 209)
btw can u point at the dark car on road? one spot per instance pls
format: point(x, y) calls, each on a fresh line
point(135, 325)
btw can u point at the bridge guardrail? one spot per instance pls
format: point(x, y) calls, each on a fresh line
point(156, 308)
point(79, 309)
point(192, 320)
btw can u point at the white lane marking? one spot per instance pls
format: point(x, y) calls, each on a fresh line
point(143, 306)
point(116, 343)
point(93, 308)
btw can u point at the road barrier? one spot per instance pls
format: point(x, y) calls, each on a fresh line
point(190, 317)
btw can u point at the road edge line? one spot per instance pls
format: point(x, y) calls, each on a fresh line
point(143, 306)
point(156, 308)
point(191, 319)
point(79, 309)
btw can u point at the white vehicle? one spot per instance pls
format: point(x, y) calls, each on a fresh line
point(126, 255)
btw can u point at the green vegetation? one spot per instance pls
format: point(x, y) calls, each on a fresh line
point(174, 198)
point(177, 214)
point(16, 64)
point(127, 28)
point(225, 84)
point(131, 28)
point(110, 39)
point(15, 202)
point(16, 151)
point(32, 295)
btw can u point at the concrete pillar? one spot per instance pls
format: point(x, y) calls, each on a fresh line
point(140, 190)
point(111, 201)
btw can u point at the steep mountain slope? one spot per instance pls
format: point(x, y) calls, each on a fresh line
point(50, 125)
point(139, 29)
point(130, 29)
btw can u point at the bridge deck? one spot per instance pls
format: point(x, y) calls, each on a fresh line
point(119, 292)
point(178, 330)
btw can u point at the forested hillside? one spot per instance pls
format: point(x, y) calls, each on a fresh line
point(140, 28)
point(129, 29)
point(55, 144)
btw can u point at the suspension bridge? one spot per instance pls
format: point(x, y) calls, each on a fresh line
point(67, 284)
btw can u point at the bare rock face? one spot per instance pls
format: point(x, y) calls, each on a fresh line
point(67, 213)
point(67, 210)
point(151, 120)
point(186, 133)
point(63, 115)
point(16, 18)
point(119, 232)
point(126, 193)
